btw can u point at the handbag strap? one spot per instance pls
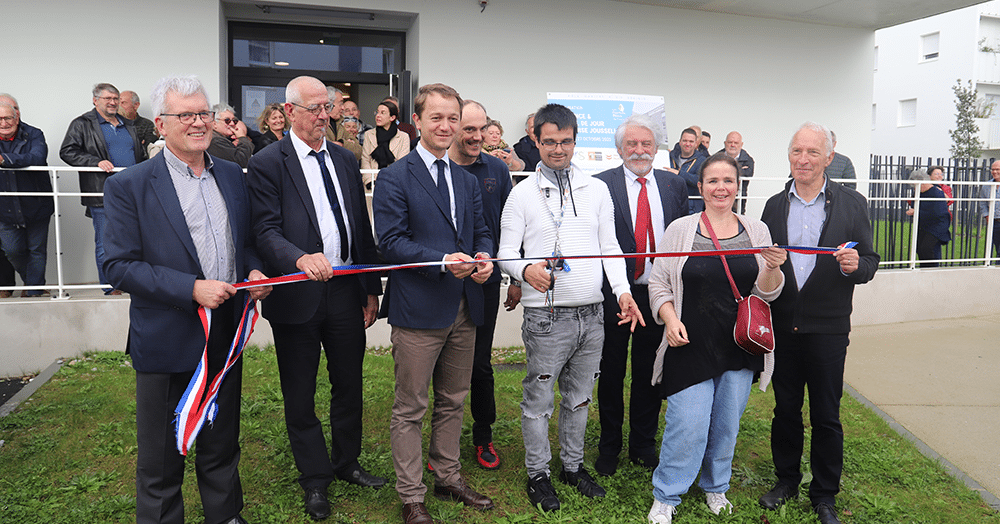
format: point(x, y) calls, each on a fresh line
point(725, 265)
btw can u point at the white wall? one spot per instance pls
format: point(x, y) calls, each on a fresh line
point(902, 75)
point(723, 72)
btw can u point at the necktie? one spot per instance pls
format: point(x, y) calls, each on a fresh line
point(442, 184)
point(331, 195)
point(643, 229)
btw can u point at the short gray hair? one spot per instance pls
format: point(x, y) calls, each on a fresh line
point(819, 128)
point(102, 87)
point(638, 120)
point(11, 97)
point(135, 97)
point(293, 92)
point(222, 108)
point(181, 85)
point(332, 92)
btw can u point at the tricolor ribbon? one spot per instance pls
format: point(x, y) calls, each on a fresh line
point(198, 405)
point(375, 268)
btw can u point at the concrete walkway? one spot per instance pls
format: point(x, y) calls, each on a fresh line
point(940, 381)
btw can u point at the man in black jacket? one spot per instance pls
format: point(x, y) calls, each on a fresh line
point(100, 138)
point(526, 148)
point(812, 317)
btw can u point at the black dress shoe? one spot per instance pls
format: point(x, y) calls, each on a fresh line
point(541, 493)
point(317, 505)
point(416, 513)
point(606, 465)
point(362, 478)
point(583, 482)
point(826, 513)
point(461, 492)
point(646, 462)
point(777, 496)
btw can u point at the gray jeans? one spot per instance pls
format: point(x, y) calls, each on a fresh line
point(563, 343)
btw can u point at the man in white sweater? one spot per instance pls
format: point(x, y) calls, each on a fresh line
point(560, 211)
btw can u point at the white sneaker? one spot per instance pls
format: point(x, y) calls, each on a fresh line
point(661, 513)
point(717, 502)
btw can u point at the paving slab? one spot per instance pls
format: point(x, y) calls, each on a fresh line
point(940, 380)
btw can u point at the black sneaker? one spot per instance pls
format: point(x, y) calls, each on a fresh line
point(542, 494)
point(583, 482)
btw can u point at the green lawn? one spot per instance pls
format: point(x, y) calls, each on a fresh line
point(69, 456)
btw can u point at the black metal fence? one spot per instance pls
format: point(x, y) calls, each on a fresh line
point(888, 204)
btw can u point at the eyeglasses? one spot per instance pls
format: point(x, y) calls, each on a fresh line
point(551, 144)
point(10, 119)
point(229, 121)
point(188, 118)
point(108, 98)
point(316, 109)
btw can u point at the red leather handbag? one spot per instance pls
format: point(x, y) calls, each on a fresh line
point(753, 331)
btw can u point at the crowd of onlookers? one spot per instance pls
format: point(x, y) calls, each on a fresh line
point(114, 135)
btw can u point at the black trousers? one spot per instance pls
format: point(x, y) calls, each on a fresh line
point(928, 248)
point(159, 466)
point(338, 327)
point(482, 401)
point(645, 400)
point(6, 271)
point(814, 361)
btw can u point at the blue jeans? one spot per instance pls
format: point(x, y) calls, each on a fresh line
point(702, 423)
point(97, 213)
point(25, 248)
point(563, 343)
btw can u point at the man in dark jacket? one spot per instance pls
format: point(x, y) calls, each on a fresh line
point(100, 138)
point(6, 268)
point(526, 148)
point(24, 220)
point(812, 317)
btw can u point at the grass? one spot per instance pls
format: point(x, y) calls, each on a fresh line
point(69, 456)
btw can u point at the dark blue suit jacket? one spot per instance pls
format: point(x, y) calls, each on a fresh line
point(150, 254)
point(286, 227)
point(414, 225)
point(673, 199)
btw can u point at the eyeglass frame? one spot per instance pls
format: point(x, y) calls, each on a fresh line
point(228, 121)
point(10, 118)
point(565, 144)
point(315, 109)
point(205, 116)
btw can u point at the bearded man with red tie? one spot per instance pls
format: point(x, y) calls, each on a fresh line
point(646, 201)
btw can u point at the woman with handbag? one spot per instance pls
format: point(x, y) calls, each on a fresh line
point(706, 375)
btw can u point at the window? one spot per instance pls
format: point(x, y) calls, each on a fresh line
point(873, 116)
point(907, 113)
point(929, 46)
point(876, 58)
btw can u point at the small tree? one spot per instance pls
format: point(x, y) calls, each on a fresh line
point(965, 141)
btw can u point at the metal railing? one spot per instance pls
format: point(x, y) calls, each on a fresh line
point(887, 207)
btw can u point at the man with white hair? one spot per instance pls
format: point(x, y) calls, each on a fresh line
point(310, 214)
point(734, 148)
point(812, 317)
point(229, 136)
point(178, 235)
point(33, 135)
point(646, 201)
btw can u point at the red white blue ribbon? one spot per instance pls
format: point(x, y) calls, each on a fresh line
point(198, 405)
point(375, 268)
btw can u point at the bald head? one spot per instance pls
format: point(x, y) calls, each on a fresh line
point(9, 100)
point(995, 171)
point(734, 144)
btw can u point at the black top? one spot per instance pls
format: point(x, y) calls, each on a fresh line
point(709, 314)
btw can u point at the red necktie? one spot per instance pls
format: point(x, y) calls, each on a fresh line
point(643, 229)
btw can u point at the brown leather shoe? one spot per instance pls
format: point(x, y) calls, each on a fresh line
point(5, 294)
point(416, 513)
point(464, 494)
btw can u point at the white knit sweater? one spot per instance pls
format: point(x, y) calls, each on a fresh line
point(528, 221)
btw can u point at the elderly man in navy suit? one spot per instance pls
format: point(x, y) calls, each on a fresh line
point(646, 201)
point(309, 213)
point(427, 208)
point(177, 236)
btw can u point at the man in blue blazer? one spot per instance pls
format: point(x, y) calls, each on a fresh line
point(309, 213)
point(666, 198)
point(427, 208)
point(177, 236)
